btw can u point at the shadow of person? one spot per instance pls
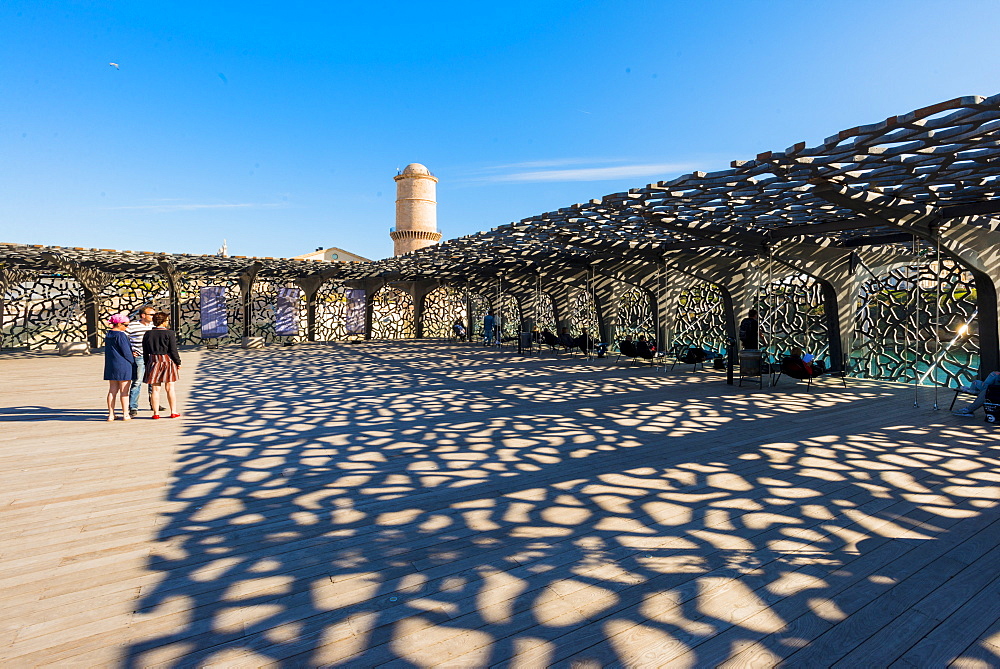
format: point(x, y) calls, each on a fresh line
point(40, 413)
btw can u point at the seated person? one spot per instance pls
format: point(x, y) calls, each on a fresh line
point(459, 329)
point(980, 388)
point(550, 339)
point(565, 339)
point(645, 349)
point(796, 366)
point(585, 342)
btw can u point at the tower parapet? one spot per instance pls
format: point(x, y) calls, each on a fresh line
point(416, 210)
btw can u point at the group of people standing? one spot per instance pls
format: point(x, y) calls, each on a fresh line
point(137, 352)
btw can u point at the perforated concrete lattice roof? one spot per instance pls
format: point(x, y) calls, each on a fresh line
point(914, 174)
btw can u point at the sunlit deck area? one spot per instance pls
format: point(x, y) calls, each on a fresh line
point(417, 503)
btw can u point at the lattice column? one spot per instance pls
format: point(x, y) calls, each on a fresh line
point(973, 241)
point(509, 313)
point(479, 304)
point(310, 286)
point(246, 279)
point(666, 297)
point(418, 291)
point(173, 279)
point(93, 282)
point(639, 304)
point(8, 278)
point(527, 297)
point(371, 287)
point(392, 314)
point(836, 274)
point(560, 293)
point(732, 277)
point(700, 319)
point(523, 288)
point(606, 304)
point(442, 306)
point(636, 313)
point(537, 309)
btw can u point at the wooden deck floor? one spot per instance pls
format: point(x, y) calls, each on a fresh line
point(414, 504)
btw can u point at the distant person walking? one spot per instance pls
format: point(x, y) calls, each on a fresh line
point(119, 365)
point(159, 348)
point(136, 330)
point(489, 324)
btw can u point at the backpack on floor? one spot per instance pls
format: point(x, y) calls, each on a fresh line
point(991, 407)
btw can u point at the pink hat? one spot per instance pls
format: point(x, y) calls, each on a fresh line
point(118, 318)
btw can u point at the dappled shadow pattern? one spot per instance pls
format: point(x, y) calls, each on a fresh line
point(446, 506)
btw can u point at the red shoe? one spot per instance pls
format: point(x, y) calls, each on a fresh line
point(175, 415)
point(154, 417)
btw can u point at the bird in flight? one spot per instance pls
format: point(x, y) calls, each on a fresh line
point(114, 65)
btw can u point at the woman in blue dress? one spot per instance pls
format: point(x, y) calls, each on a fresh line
point(119, 364)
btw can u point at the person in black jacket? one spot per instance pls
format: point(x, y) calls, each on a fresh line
point(159, 350)
point(751, 336)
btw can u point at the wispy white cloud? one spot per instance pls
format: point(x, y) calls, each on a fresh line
point(595, 173)
point(558, 162)
point(198, 206)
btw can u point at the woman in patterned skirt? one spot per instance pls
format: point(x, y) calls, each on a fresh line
point(119, 364)
point(159, 351)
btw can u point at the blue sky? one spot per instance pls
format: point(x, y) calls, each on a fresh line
point(279, 126)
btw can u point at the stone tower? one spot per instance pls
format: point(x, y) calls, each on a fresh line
point(416, 210)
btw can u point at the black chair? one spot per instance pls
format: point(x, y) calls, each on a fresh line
point(787, 367)
point(646, 353)
point(626, 347)
point(502, 341)
point(679, 353)
point(751, 364)
point(960, 391)
point(550, 340)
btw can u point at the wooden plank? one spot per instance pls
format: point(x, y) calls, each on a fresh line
point(848, 591)
point(577, 637)
point(956, 631)
point(849, 634)
point(907, 631)
point(656, 454)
